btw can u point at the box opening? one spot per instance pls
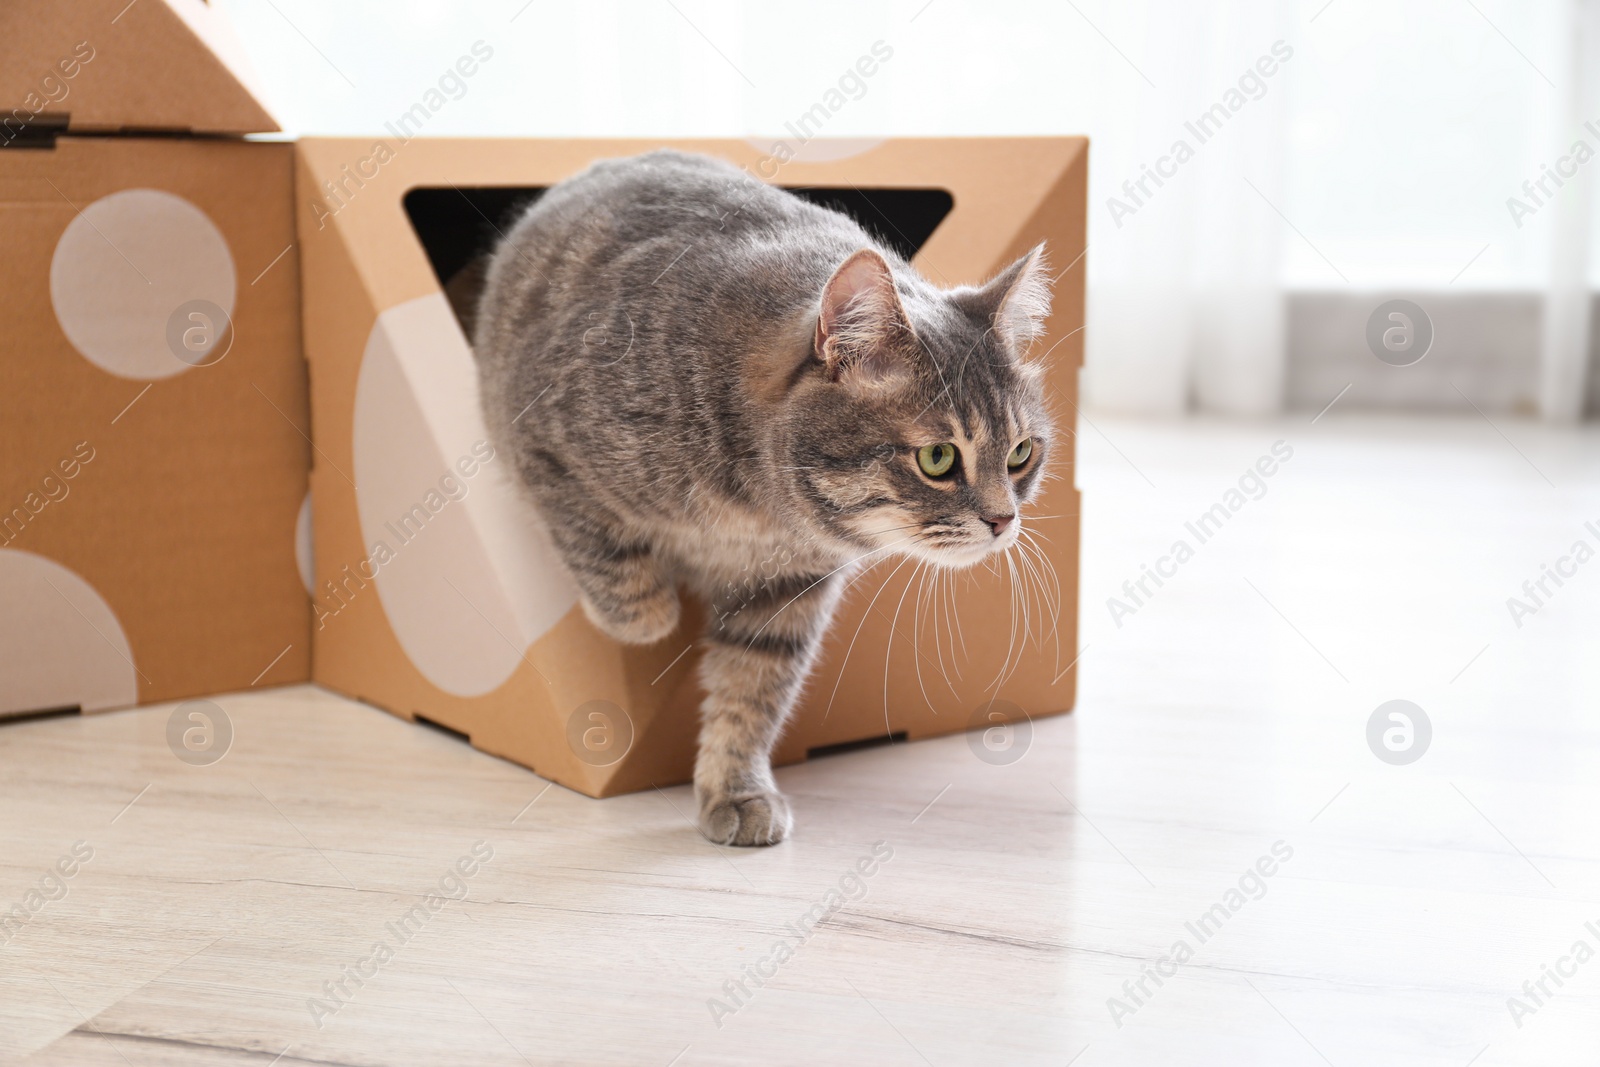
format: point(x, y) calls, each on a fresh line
point(459, 227)
point(842, 747)
point(900, 219)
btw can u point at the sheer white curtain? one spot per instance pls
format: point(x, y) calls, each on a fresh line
point(1379, 162)
point(1564, 356)
point(1186, 304)
point(1375, 160)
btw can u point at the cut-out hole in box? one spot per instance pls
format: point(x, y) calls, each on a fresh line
point(459, 227)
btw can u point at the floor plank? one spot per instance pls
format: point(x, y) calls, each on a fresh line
point(1225, 715)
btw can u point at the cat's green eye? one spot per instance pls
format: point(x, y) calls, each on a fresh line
point(936, 460)
point(1020, 454)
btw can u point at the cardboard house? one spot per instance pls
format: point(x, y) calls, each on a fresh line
point(434, 593)
point(437, 595)
point(153, 463)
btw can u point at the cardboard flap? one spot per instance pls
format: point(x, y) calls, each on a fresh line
point(109, 65)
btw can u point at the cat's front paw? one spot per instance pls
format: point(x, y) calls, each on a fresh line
point(760, 818)
point(638, 622)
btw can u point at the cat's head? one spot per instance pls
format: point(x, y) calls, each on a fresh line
point(922, 429)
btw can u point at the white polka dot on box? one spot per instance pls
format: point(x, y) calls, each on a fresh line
point(55, 627)
point(129, 263)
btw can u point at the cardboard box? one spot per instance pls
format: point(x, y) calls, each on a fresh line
point(438, 597)
point(152, 392)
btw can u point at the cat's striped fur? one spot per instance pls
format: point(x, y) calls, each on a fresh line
point(702, 378)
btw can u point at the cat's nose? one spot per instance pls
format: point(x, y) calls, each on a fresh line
point(998, 523)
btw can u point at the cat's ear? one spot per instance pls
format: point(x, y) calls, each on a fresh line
point(1016, 301)
point(862, 328)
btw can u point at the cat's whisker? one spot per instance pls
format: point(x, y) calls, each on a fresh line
point(941, 581)
point(1019, 581)
point(958, 633)
point(925, 605)
point(1047, 567)
point(888, 653)
point(816, 583)
point(1007, 667)
point(1049, 592)
point(1049, 605)
point(952, 608)
point(1033, 585)
point(865, 615)
point(916, 628)
point(1041, 535)
point(916, 647)
point(867, 571)
point(1011, 638)
point(1012, 619)
point(1044, 569)
point(1050, 623)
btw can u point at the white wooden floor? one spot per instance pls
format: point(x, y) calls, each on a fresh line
point(1225, 717)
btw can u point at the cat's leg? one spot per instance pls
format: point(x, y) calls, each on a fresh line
point(760, 643)
point(625, 589)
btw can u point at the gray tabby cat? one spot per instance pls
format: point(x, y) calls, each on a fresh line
point(702, 377)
